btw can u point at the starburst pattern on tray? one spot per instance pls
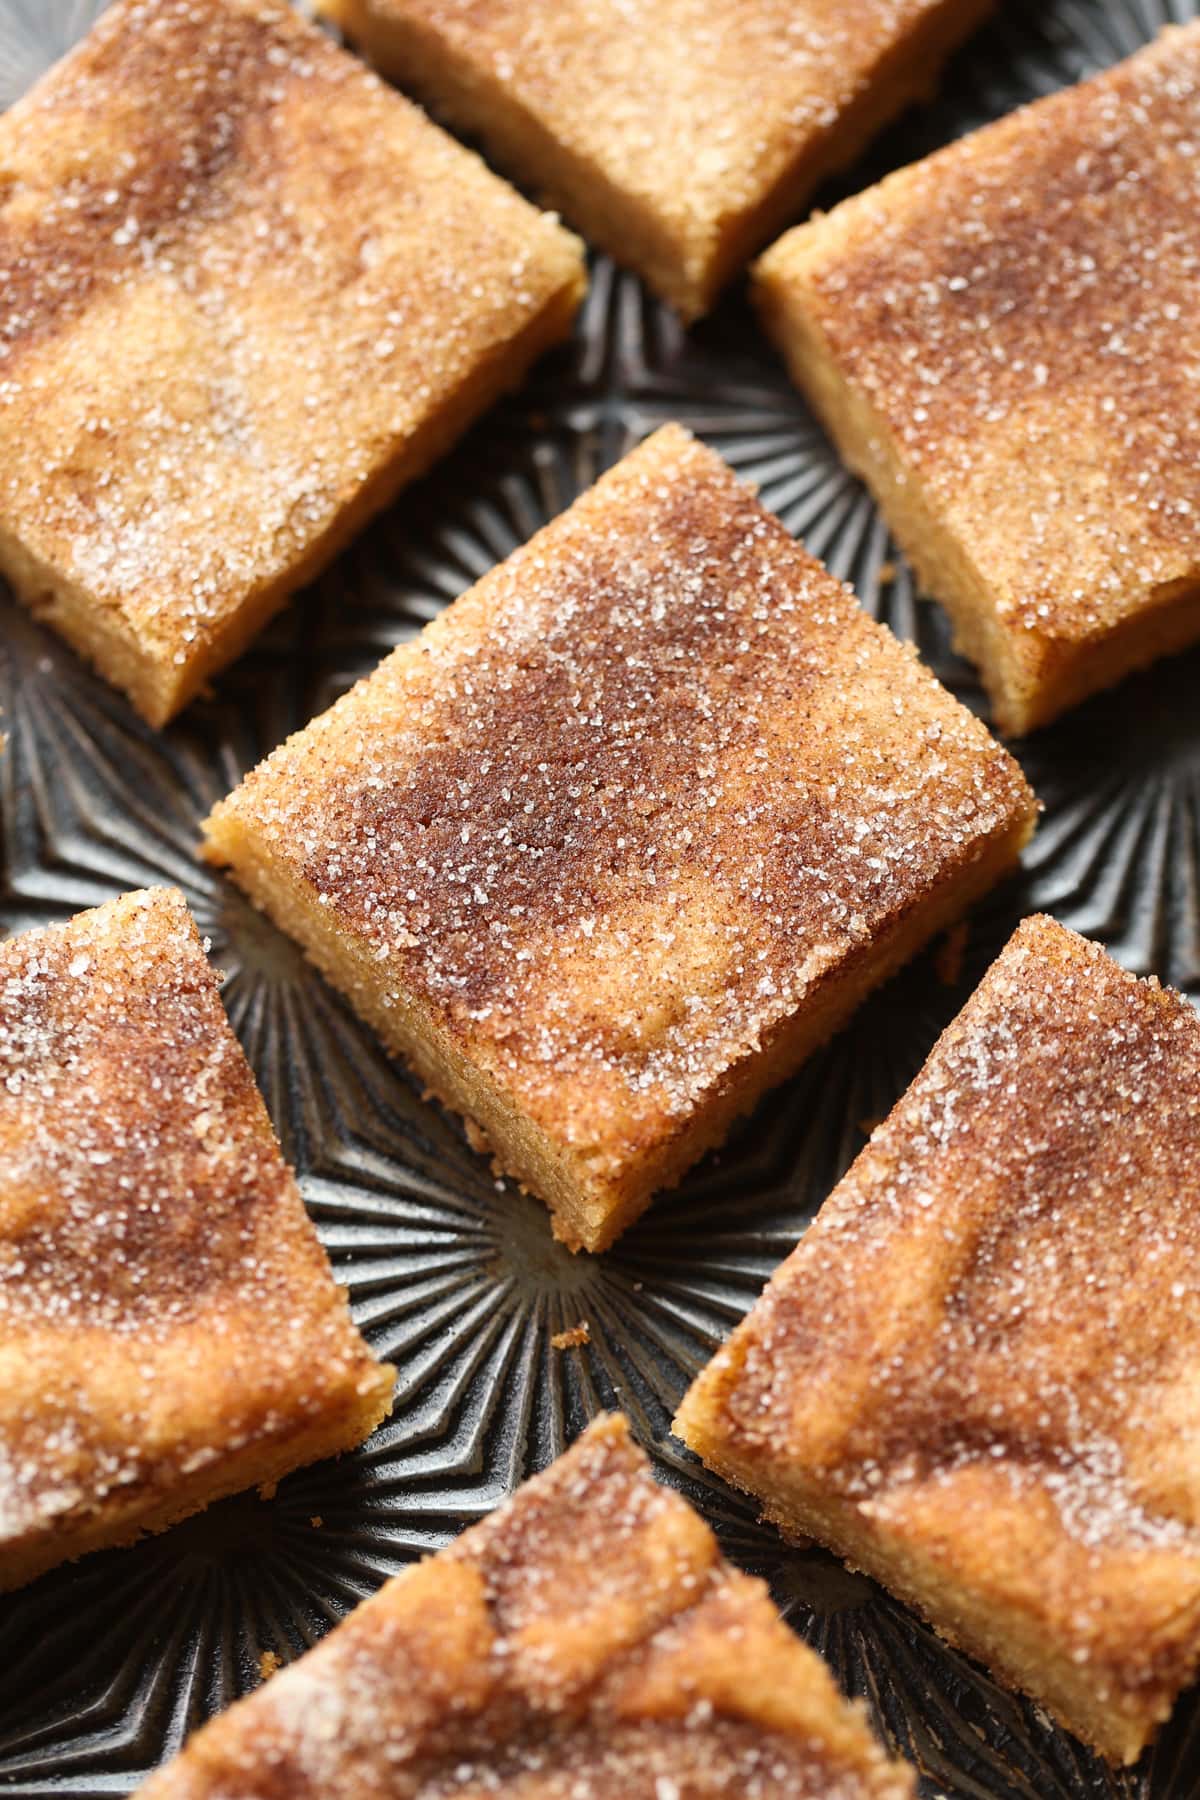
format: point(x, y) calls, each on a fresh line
point(1118, 855)
point(104, 1667)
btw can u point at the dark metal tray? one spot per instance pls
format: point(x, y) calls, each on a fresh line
point(106, 1665)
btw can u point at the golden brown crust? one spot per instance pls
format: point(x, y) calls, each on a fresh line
point(585, 1640)
point(677, 136)
point(169, 1326)
point(247, 291)
point(976, 1375)
point(654, 791)
point(1003, 339)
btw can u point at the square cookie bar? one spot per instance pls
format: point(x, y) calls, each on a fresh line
point(976, 1377)
point(170, 1329)
point(679, 136)
point(1004, 341)
point(586, 1640)
point(247, 293)
point(627, 831)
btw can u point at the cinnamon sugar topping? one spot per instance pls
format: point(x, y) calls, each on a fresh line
point(1020, 311)
point(619, 811)
point(982, 1358)
point(674, 135)
point(583, 1641)
point(164, 1302)
point(240, 279)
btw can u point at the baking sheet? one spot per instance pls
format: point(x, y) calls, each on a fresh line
point(105, 1666)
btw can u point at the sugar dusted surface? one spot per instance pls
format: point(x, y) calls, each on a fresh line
point(988, 1342)
point(238, 274)
point(694, 108)
point(1020, 310)
point(585, 1640)
point(659, 738)
point(164, 1301)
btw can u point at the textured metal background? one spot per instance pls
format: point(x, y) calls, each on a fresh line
point(105, 1666)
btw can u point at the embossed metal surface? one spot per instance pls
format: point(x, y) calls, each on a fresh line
point(106, 1665)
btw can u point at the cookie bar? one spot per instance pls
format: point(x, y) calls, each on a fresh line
point(586, 1640)
point(248, 292)
point(976, 1376)
point(627, 831)
point(680, 136)
point(1003, 341)
point(170, 1329)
